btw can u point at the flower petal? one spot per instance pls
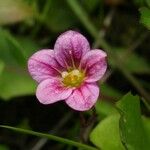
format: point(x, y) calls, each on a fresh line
point(70, 47)
point(84, 98)
point(43, 65)
point(95, 64)
point(52, 90)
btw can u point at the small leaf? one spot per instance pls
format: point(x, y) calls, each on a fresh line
point(145, 16)
point(131, 127)
point(12, 11)
point(106, 134)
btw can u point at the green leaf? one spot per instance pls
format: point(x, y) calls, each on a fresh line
point(15, 82)
point(106, 134)
point(50, 137)
point(146, 123)
point(12, 11)
point(114, 93)
point(133, 135)
point(28, 45)
point(10, 49)
point(145, 16)
point(15, 79)
point(1, 66)
point(59, 17)
point(104, 109)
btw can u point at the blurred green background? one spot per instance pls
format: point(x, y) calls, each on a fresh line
point(119, 27)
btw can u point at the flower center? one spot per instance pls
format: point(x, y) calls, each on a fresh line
point(73, 78)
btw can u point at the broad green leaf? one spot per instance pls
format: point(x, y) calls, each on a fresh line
point(15, 79)
point(59, 16)
point(1, 66)
point(106, 134)
point(51, 137)
point(15, 82)
point(146, 123)
point(133, 135)
point(11, 51)
point(28, 45)
point(114, 93)
point(104, 108)
point(12, 11)
point(145, 16)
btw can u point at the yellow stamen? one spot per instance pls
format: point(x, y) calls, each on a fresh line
point(73, 78)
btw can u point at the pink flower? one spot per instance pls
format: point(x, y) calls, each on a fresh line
point(69, 72)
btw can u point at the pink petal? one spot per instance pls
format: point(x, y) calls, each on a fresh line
point(42, 65)
point(52, 90)
point(95, 64)
point(84, 98)
point(70, 47)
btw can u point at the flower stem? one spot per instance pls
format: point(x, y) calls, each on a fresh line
point(82, 15)
point(50, 137)
point(87, 125)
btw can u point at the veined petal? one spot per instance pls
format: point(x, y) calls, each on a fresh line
point(95, 64)
point(52, 90)
point(42, 65)
point(84, 98)
point(70, 47)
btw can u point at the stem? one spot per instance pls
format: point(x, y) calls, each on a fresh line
point(106, 23)
point(134, 82)
point(87, 125)
point(125, 72)
point(18, 53)
point(42, 17)
point(82, 15)
point(40, 143)
point(50, 137)
point(146, 104)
